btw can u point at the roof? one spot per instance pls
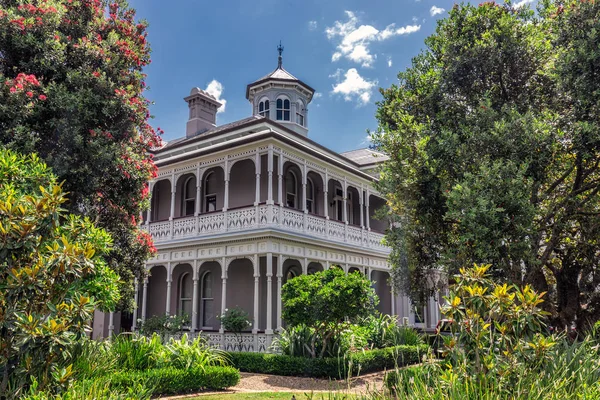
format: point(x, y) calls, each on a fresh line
point(279, 74)
point(216, 130)
point(365, 156)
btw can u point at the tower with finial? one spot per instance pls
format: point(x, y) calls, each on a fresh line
point(281, 97)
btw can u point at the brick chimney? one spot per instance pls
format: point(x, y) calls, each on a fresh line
point(203, 112)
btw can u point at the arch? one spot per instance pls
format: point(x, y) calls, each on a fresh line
point(185, 293)
point(161, 200)
point(300, 113)
point(185, 200)
point(208, 310)
point(354, 269)
point(291, 269)
point(314, 267)
point(353, 206)
point(240, 285)
point(382, 288)
point(157, 291)
point(283, 108)
point(375, 223)
point(242, 183)
point(264, 106)
point(213, 189)
point(292, 185)
point(316, 205)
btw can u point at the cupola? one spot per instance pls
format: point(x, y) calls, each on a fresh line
point(282, 97)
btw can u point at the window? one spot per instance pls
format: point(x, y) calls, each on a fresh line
point(310, 196)
point(210, 195)
point(207, 301)
point(188, 206)
point(290, 189)
point(350, 208)
point(339, 203)
point(263, 108)
point(185, 291)
point(155, 204)
point(283, 109)
point(300, 113)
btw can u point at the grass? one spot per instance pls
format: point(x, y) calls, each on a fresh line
point(275, 396)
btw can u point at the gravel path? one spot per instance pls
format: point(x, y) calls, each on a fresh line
point(275, 383)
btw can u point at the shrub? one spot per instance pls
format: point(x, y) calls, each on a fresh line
point(195, 354)
point(383, 331)
point(92, 389)
point(175, 381)
point(163, 325)
point(336, 368)
point(134, 352)
point(52, 276)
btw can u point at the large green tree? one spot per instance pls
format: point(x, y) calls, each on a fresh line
point(493, 135)
point(72, 90)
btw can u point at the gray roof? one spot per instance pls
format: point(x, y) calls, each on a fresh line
point(212, 131)
point(279, 73)
point(365, 156)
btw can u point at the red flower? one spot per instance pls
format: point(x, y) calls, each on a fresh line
point(29, 94)
point(13, 89)
point(42, 97)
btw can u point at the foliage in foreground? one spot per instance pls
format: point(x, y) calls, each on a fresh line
point(352, 364)
point(131, 365)
point(52, 277)
point(493, 135)
point(327, 302)
point(72, 91)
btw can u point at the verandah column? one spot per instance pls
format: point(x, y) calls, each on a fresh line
point(257, 171)
point(136, 288)
point(269, 328)
point(326, 196)
point(144, 299)
point(279, 277)
point(367, 212)
point(226, 195)
point(169, 280)
point(270, 173)
point(223, 293)
point(256, 293)
point(195, 299)
point(280, 180)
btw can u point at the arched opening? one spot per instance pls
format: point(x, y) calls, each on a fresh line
point(209, 298)
point(242, 184)
point(185, 291)
point(314, 267)
point(264, 108)
point(283, 109)
point(353, 206)
point(161, 200)
point(314, 193)
point(157, 291)
point(213, 189)
point(292, 186)
point(375, 205)
point(240, 286)
point(291, 269)
point(186, 196)
point(336, 200)
point(352, 270)
point(382, 289)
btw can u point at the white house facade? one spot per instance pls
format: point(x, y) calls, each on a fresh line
point(238, 210)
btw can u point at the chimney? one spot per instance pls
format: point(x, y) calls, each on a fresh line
point(203, 112)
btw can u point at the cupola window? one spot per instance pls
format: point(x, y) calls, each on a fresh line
point(300, 113)
point(263, 108)
point(283, 109)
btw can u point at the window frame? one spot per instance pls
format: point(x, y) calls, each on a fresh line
point(203, 299)
point(310, 200)
point(295, 193)
point(181, 299)
point(264, 108)
point(300, 113)
point(187, 197)
point(281, 110)
point(208, 195)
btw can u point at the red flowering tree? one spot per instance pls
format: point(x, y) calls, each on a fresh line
point(72, 90)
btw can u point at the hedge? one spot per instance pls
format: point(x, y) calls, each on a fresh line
point(176, 381)
point(336, 368)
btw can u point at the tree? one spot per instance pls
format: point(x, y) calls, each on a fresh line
point(493, 135)
point(72, 90)
point(52, 276)
point(327, 301)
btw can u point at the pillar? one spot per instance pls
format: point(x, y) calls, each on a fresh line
point(257, 172)
point(270, 173)
point(223, 290)
point(326, 196)
point(269, 327)
point(279, 277)
point(173, 191)
point(111, 324)
point(345, 198)
point(169, 281)
point(135, 300)
point(361, 201)
point(280, 180)
point(367, 218)
point(256, 293)
point(195, 301)
point(144, 299)
point(198, 193)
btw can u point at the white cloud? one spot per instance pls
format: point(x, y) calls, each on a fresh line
point(354, 40)
point(436, 10)
point(522, 3)
point(317, 95)
point(312, 25)
point(353, 86)
point(215, 88)
point(390, 62)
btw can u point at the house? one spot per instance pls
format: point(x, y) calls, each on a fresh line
point(239, 209)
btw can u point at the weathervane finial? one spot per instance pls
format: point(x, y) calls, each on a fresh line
point(280, 59)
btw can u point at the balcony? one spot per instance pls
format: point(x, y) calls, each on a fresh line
point(265, 216)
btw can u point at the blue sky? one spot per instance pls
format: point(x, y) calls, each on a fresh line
point(345, 50)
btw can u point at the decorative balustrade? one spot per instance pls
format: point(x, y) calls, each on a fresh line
point(257, 343)
point(265, 216)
